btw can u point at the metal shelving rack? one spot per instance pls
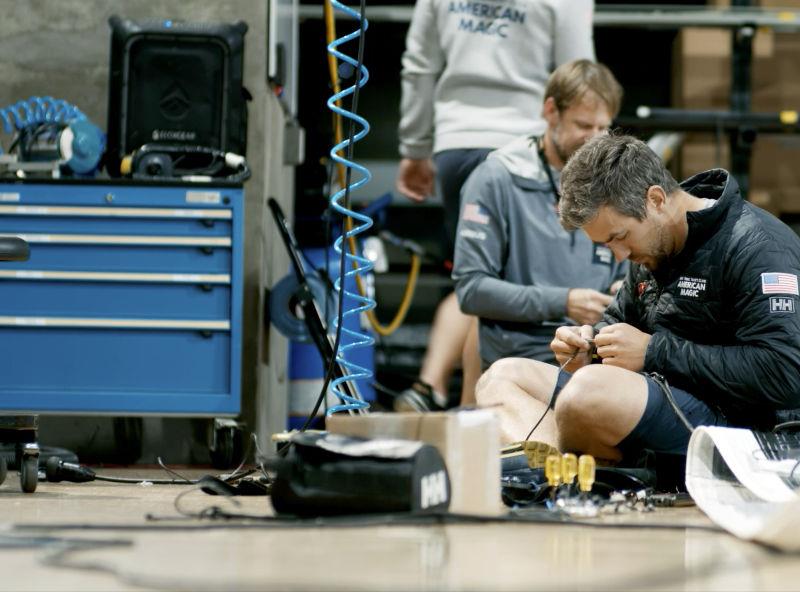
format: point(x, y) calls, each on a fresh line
point(740, 124)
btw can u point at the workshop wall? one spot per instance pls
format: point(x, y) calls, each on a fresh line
point(61, 48)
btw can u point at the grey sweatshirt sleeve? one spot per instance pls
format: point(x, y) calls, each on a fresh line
point(423, 62)
point(574, 38)
point(482, 243)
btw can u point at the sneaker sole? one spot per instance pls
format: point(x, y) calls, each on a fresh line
point(411, 402)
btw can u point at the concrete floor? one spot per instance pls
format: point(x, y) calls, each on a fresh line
point(246, 555)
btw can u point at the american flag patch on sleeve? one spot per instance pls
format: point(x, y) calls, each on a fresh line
point(474, 213)
point(779, 283)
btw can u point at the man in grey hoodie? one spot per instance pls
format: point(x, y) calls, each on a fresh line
point(473, 79)
point(515, 267)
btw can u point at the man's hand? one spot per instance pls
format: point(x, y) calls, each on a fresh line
point(622, 345)
point(415, 178)
point(585, 306)
point(615, 287)
point(571, 340)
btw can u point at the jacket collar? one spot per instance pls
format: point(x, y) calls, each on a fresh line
point(715, 184)
point(522, 161)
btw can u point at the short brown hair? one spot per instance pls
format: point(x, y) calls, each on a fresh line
point(610, 170)
point(570, 82)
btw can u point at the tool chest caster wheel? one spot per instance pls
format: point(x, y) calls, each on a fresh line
point(29, 467)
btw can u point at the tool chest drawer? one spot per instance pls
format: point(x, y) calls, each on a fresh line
point(130, 302)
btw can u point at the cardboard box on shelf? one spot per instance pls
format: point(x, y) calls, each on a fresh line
point(702, 72)
point(774, 170)
point(700, 153)
point(469, 442)
point(774, 176)
point(776, 86)
point(702, 80)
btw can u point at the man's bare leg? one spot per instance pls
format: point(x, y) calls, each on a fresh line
point(448, 334)
point(597, 408)
point(470, 365)
point(518, 391)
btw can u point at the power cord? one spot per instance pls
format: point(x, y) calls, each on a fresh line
point(786, 425)
point(57, 470)
point(552, 396)
point(664, 386)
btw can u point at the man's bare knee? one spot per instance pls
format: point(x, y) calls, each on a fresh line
point(576, 409)
point(488, 390)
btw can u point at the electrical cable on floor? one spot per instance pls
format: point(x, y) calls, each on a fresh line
point(171, 471)
point(57, 470)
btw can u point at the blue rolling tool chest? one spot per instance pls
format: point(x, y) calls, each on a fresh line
point(130, 303)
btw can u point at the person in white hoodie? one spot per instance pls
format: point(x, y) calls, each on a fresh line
point(515, 267)
point(473, 79)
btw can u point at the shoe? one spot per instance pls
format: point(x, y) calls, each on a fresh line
point(534, 452)
point(419, 398)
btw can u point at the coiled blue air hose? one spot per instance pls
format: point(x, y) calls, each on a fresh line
point(355, 265)
point(74, 140)
point(38, 110)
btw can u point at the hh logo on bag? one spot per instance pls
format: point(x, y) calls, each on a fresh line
point(433, 489)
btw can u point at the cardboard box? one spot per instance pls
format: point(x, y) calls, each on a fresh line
point(774, 170)
point(702, 79)
point(469, 442)
point(700, 153)
point(702, 66)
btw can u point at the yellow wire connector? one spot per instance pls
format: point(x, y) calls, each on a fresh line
point(586, 469)
point(569, 468)
point(552, 470)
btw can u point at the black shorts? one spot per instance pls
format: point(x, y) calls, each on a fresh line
point(660, 429)
point(453, 167)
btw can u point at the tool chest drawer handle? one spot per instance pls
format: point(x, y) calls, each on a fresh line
point(203, 279)
point(78, 211)
point(72, 322)
point(119, 239)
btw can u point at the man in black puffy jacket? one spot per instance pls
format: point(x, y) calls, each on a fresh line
point(705, 330)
